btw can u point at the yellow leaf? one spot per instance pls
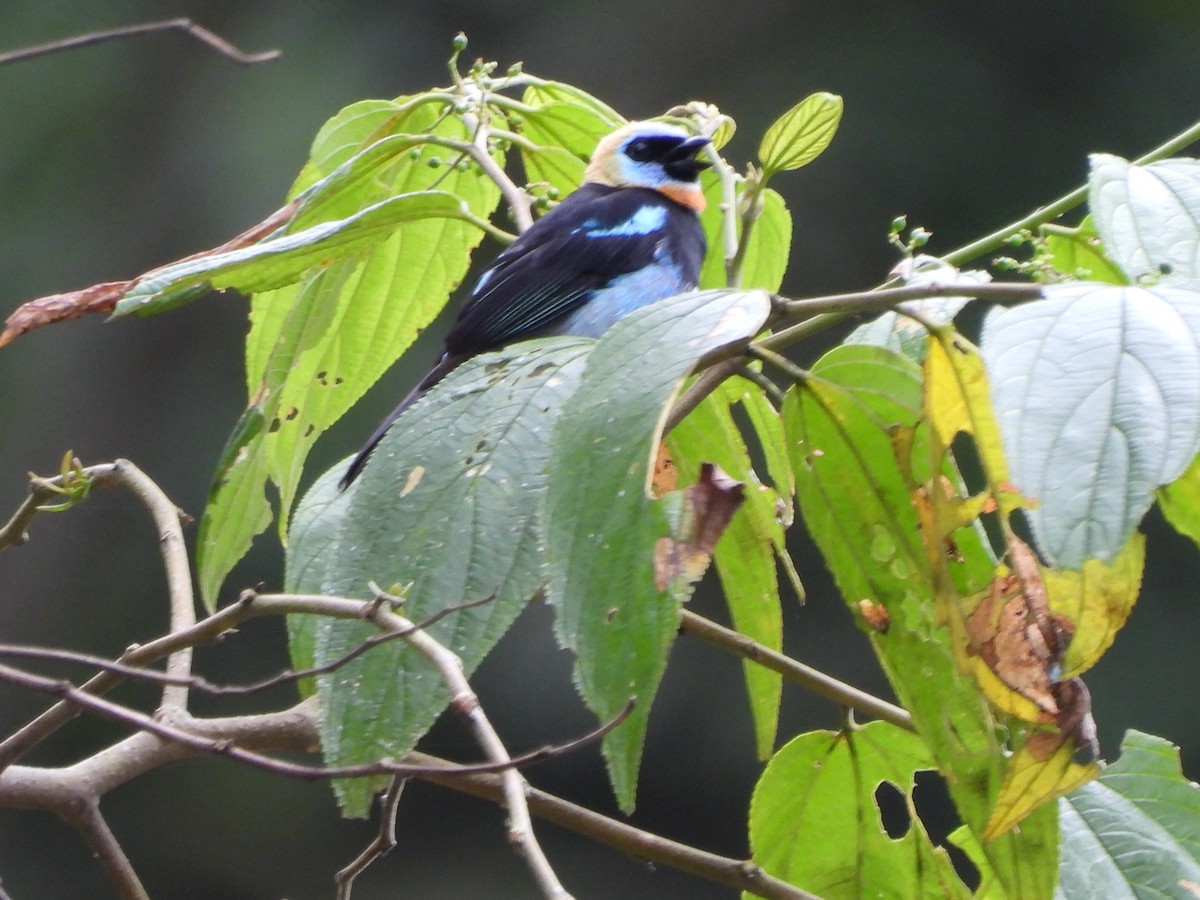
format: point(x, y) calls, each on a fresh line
point(1097, 599)
point(1029, 782)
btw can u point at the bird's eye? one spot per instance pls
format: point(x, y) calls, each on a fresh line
point(640, 150)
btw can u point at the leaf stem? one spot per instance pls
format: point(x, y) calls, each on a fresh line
point(1065, 203)
point(816, 681)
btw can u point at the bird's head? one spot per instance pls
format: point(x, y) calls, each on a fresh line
point(651, 155)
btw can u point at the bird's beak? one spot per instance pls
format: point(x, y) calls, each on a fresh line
point(681, 162)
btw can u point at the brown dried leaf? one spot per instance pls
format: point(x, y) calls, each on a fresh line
point(709, 504)
point(1014, 633)
point(102, 298)
point(665, 478)
point(47, 310)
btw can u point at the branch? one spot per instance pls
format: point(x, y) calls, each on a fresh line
point(199, 683)
point(383, 843)
point(1065, 203)
point(816, 681)
point(464, 702)
point(187, 26)
point(106, 849)
point(740, 874)
point(175, 560)
point(179, 584)
point(517, 199)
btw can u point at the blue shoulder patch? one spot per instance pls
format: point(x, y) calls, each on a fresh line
point(646, 220)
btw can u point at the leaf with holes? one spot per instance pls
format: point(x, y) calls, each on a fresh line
point(820, 791)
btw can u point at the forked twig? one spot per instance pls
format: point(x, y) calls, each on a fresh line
point(187, 26)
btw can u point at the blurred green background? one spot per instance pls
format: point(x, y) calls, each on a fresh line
point(119, 157)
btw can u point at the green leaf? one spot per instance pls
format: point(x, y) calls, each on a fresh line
point(801, 134)
point(766, 258)
point(855, 489)
point(745, 553)
point(1135, 831)
point(447, 503)
point(283, 260)
point(565, 134)
point(819, 794)
point(315, 528)
point(1097, 391)
point(1180, 502)
point(555, 167)
point(600, 527)
point(545, 93)
point(1148, 216)
point(237, 507)
point(574, 128)
point(1078, 253)
point(316, 347)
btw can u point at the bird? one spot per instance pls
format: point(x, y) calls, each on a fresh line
point(628, 236)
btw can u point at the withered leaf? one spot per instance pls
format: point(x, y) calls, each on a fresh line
point(708, 505)
point(99, 298)
point(665, 477)
point(1014, 633)
point(103, 297)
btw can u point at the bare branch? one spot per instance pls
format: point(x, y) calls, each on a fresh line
point(166, 517)
point(815, 681)
point(202, 684)
point(175, 725)
point(179, 584)
point(383, 843)
point(741, 874)
point(187, 26)
point(106, 849)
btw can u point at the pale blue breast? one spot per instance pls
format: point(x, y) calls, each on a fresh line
point(657, 281)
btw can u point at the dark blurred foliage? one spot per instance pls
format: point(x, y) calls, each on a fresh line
point(119, 157)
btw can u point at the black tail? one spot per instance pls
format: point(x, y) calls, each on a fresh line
point(443, 368)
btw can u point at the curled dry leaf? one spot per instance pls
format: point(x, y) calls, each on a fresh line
point(103, 297)
point(1023, 643)
point(708, 505)
point(99, 298)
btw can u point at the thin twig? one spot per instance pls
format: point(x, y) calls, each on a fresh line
point(811, 315)
point(780, 362)
point(1065, 203)
point(166, 517)
point(739, 874)
point(466, 704)
point(514, 195)
point(383, 843)
point(816, 681)
point(173, 725)
point(187, 26)
point(199, 683)
point(707, 382)
point(108, 851)
point(765, 384)
point(179, 584)
point(41, 491)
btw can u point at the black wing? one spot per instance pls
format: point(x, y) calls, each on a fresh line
point(552, 269)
